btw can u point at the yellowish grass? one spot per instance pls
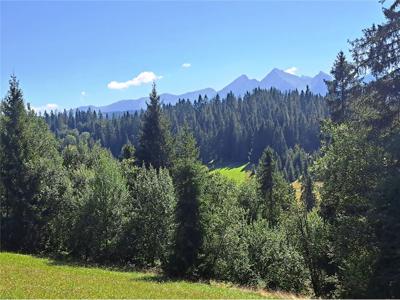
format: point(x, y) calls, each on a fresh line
point(317, 187)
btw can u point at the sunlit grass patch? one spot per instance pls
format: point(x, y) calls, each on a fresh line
point(237, 173)
point(24, 276)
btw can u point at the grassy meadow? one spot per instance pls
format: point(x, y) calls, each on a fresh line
point(237, 173)
point(24, 276)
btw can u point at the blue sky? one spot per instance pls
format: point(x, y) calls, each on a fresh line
point(73, 53)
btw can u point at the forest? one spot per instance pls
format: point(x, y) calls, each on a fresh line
point(230, 130)
point(135, 189)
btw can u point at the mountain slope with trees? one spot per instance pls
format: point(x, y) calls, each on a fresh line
point(227, 130)
point(64, 194)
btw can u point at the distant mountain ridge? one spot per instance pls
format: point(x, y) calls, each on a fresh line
point(277, 78)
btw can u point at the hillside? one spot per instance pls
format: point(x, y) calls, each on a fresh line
point(24, 276)
point(227, 130)
point(236, 172)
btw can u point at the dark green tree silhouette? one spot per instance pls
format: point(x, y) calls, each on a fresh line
point(155, 140)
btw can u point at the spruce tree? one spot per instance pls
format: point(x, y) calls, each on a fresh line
point(155, 140)
point(33, 182)
point(265, 171)
point(307, 194)
point(344, 80)
point(185, 147)
point(377, 52)
point(188, 175)
point(14, 151)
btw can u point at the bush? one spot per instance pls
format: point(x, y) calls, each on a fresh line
point(223, 221)
point(275, 262)
point(99, 223)
point(148, 227)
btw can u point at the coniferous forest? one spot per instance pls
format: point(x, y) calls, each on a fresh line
point(135, 189)
point(227, 130)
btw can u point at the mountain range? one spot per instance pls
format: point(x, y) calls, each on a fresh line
point(277, 78)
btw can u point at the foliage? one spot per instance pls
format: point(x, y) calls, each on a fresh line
point(188, 178)
point(273, 189)
point(232, 130)
point(100, 219)
point(275, 262)
point(33, 181)
point(307, 193)
point(154, 140)
point(250, 200)
point(71, 197)
point(360, 170)
point(340, 88)
point(148, 229)
point(223, 252)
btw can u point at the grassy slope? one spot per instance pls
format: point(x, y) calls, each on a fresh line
point(237, 173)
point(24, 276)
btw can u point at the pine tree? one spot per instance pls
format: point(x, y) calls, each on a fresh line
point(188, 234)
point(188, 175)
point(185, 147)
point(155, 140)
point(14, 149)
point(33, 182)
point(377, 52)
point(265, 172)
point(344, 79)
point(307, 194)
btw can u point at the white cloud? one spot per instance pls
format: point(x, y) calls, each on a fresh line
point(83, 93)
point(186, 65)
point(52, 106)
point(48, 107)
point(142, 78)
point(292, 70)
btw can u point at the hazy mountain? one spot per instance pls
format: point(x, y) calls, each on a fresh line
point(239, 86)
point(138, 104)
point(283, 81)
point(278, 79)
point(317, 83)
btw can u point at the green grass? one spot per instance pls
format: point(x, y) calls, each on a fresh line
point(237, 173)
point(24, 276)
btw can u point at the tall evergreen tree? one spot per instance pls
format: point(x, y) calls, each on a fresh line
point(307, 194)
point(360, 170)
point(344, 80)
point(155, 140)
point(265, 172)
point(188, 175)
point(33, 182)
point(14, 149)
point(378, 52)
point(185, 147)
